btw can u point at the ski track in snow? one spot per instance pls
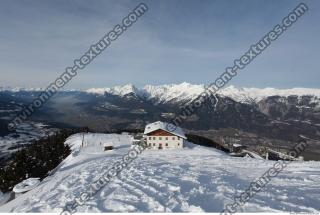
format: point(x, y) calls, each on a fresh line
point(194, 179)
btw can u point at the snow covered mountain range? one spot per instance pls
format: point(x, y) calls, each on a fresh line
point(186, 91)
point(163, 93)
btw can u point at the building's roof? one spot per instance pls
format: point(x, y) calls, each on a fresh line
point(166, 127)
point(108, 144)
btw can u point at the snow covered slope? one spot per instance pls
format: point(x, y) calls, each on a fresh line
point(256, 94)
point(192, 179)
point(117, 90)
point(173, 92)
point(162, 93)
point(186, 92)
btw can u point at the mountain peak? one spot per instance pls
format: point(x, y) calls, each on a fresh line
point(120, 90)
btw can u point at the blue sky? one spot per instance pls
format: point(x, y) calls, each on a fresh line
point(175, 41)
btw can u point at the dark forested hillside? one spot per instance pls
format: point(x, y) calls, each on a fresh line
point(35, 160)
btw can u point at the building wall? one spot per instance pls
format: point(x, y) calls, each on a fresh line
point(167, 142)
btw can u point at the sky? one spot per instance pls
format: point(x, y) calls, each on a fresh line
point(174, 41)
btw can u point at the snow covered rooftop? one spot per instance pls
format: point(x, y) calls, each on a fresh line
point(108, 144)
point(164, 126)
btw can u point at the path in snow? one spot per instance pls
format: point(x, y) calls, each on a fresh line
point(193, 179)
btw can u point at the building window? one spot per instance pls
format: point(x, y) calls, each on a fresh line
point(154, 144)
point(173, 138)
point(149, 138)
point(149, 144)
point(178, 144)
point(178, 138)
point(166, 144)
point(154, 138)
point(160, 138)
point(166, 138)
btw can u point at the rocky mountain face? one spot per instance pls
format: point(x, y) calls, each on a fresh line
point(269, 112)
point(292, 108)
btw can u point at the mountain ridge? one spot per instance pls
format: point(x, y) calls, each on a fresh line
point(186, 91)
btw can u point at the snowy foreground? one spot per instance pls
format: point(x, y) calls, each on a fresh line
point(193, 179)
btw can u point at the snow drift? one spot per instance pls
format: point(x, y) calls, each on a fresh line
point(192, 179)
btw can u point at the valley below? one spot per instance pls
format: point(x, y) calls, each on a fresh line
point(252, 117)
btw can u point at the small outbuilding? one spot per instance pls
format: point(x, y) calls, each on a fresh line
point(237, 148)
point(108, 146)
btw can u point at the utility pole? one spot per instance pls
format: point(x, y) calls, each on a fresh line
point(82, 140)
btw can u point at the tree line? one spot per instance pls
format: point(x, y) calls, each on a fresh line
point(37, 159)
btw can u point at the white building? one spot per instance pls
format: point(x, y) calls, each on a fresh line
point(159, 136)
